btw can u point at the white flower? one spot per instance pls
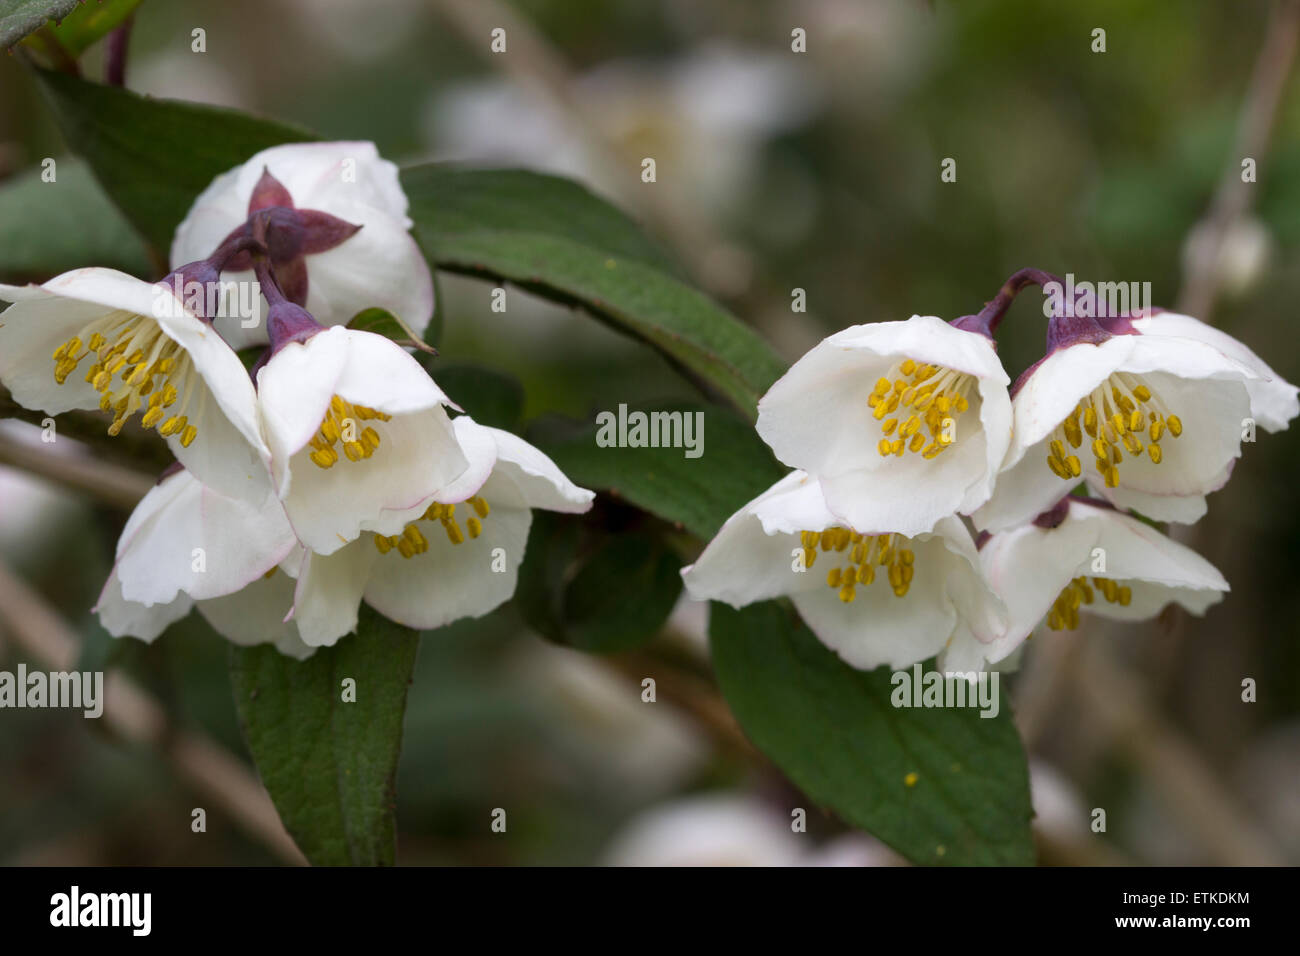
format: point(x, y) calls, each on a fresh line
point(187, 545)
point(904, 423)
point(358, 434)
point(457, 556)
point(1273, 401)
point(101, 339)
point(1153, 422)
point(874, 598)
point(1084, 556)
point(380, 265)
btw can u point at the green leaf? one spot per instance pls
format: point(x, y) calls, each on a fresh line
point(834, 732)
point(623, 594)
point(555, 238)
point(490, 397)
point(92, 21)
point(382, 322)
point(153, 157)
point(329, 765)
point(602, 593)
point(48, 228)
point(21, 17)
point(697, 493)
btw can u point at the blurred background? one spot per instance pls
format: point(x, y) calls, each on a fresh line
point(777, 171)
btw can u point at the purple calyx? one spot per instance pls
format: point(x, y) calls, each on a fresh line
point(986, 321)
point(1052, 517)
point(287, 234)
point(196, 285)
point(285, 321)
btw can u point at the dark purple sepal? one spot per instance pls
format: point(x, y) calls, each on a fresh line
point(268, 192)
point(1064, 331)
point(1052, 517)
point(289, 322)
point(1123, 324)
point(322, 232)
point(978, 324)
point(287, 234)
point(190, 284)
point(175, 468)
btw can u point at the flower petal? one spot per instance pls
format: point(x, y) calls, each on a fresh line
point(184, 537)
point(255, 615)
point(746, 561)
point(328, 594)
point(418, 453)
point(123, 618)
point(539, 479)
point(1273, 401)
point(878, 627)
point(453, 581)
point(830, 386)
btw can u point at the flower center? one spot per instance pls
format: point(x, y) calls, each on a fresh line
point(412, 541)
point(912, 396)
point(1117, 413)
point(340, 425)
point(864, 553)
point(1064, 615)
point(153, 370)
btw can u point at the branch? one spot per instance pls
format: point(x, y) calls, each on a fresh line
point(1254, 131)
point(111, 484)
point(134, 717)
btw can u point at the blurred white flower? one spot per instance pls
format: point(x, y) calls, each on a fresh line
point(930, 591)
point(1238, 259)
point(733, 829)
point(703, 118)
point(715, 830)
point(904, 423)
point(360, 31)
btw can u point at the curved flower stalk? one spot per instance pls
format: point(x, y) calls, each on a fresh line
point(904, 423)
point(100, 339)
point(457, 557)
point(358, 432)
point(333, 217)
point(874, 598)
point(1152, 422)
point(1084, 557)
point(184, 546)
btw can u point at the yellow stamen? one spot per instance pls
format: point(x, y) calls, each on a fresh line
point(1116, 414)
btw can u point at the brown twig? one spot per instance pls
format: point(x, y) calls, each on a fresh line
point(1119, 701)
point(1254, 131)
point(111, 484)
point(135, 717)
